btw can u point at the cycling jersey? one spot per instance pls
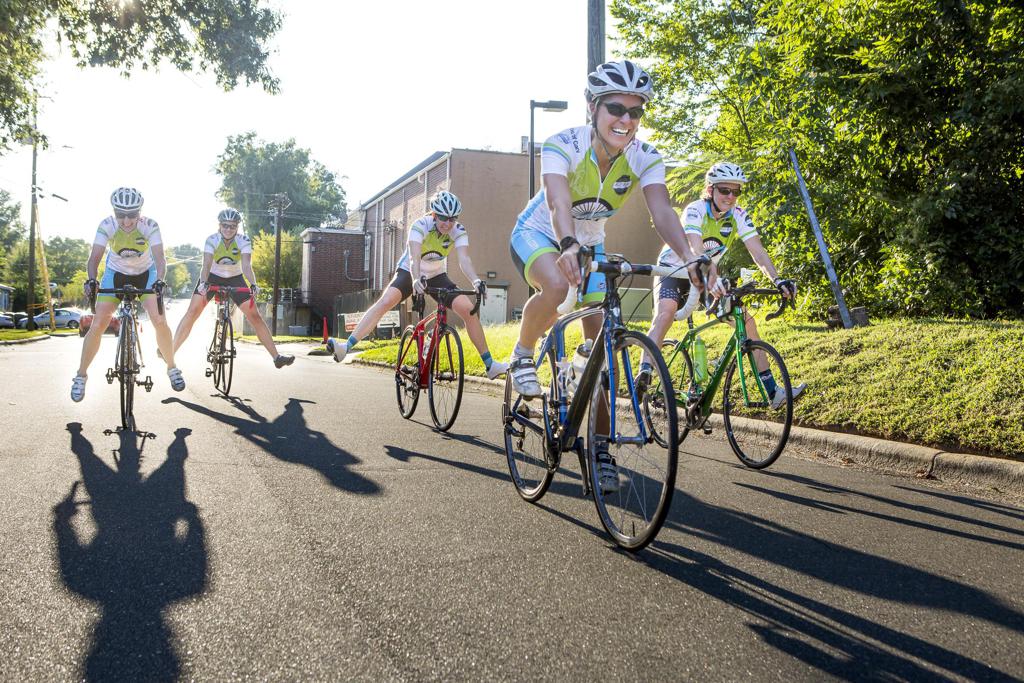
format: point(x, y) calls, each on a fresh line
point(227, 256)
point(130, 252)
point(435, 246)
point(594, 199)
point(698, 220)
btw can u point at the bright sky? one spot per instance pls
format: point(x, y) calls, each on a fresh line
point(370, 88)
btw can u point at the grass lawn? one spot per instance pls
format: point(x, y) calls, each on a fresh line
point(952, 384)
point(11, 335)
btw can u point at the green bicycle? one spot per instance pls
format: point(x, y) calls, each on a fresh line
point(757, 421)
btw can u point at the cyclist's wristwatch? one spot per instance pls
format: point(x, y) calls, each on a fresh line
point(567, 242)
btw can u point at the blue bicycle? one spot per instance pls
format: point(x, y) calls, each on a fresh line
point(622, 422)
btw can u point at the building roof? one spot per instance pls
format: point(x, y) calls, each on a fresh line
point(429, 161)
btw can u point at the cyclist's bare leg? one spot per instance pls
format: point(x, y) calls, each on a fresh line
point(195, 307)
point(664, 316)
point(541, 311)
point(259, 325)
point(91, 343)
point(164, 340)
point(462, 305)
point(388, 300)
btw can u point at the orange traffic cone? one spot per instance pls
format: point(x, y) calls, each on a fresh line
point(325, 329)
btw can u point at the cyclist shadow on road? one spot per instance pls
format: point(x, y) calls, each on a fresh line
point(148, 552)
point(289, 438)
point(840, 643)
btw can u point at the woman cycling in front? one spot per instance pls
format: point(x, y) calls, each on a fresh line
point(587, 174)
point(227, 256)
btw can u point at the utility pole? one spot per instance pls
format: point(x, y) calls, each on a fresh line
point(30, 324)
point(277, 205)
point(595, 34)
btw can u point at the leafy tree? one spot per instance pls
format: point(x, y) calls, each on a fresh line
point(252, 170)
point(190, 257)
point(263, 262)
point(177, 278)
point(907, 117)
point(12, 231)
point(228, 37)
point(65, 256)
point(18, 277)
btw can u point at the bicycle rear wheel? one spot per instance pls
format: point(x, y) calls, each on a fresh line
point(680, 371)
point(227, 355)
point(126, 373)
point(757, 431)
point(446, 378)
point(525, 441)
point(407, 373)
point(634, 502)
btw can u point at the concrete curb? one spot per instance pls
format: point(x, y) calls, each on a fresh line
point(15, 342)
point(892, 457)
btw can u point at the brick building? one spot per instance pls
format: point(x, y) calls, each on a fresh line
point(335, 261)
point(493, 188)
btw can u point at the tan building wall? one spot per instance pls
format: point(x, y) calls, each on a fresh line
point(494, 189)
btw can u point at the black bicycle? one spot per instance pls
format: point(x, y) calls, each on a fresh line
point(221, 354)
point(128, 360)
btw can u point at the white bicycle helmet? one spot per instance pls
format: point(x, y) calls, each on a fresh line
point(445, 203)
point(619, 78)
point(725, 172)
point(229, 214)
point(126, 199)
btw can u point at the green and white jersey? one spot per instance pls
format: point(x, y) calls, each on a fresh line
point(697, 219)
point(435, 246)
point(594, 199)
point(129, 252)
point(227, 256)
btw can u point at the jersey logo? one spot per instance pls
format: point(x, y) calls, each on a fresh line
point(140, 240)
point(432, 256)
point(622, 185)
point(589, 209)
point(726, 228)
point(226, 261)
point(693, 213)
point(128, 252)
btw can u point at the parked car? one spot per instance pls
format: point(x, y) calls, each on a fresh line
point(113, 328)
point(17, 317)
point(6, 322)
point(62, 317)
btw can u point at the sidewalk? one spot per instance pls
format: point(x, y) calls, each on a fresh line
point(994, 475)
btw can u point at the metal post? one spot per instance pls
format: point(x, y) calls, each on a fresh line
point(595, 34)
point(529, 154)
point(30, 323)
point(844, 314)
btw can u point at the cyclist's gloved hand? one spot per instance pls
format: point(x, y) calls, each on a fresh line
point(419, 286)
point(201, 288)
point(158, 286)
point(718, 289)
point(787, 287)
point(90, 287)
point(480, 286)
point(254, 289)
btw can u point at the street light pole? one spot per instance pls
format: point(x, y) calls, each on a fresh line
point(550, 105)
point(30, 323)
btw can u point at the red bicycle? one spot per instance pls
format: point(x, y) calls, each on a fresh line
point(436, 364)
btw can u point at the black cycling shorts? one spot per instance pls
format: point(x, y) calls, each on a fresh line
point(402, 281)
point(236, 281)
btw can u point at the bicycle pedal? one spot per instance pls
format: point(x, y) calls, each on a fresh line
point(209, 372)
point(707, 430)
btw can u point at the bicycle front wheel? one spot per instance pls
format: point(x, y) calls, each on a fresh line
point(525, 440)
point(126, 373)
point(680, 371)
point(633, 472)
point(757, 422)
point(213, 356)
point(446, 378)
point(407, 373)
point(227, 355)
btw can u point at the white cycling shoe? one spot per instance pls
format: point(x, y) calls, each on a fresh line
point(524, 377)
point(338, 349)
point(497, 369)
point(78, 388)
point(779, 398)
point(177, 381)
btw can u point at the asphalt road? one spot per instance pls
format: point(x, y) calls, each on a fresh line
point(305, 531)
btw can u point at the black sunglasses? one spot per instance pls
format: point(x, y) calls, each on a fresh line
point(728, 192)
point(617, 110)
point(444, 219)
point(126, 214)
point(229, 225)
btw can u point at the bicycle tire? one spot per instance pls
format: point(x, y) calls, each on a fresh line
point(757, 433)
point(227, 356)
point(684, 366)
point(126, 373)
point(447, 374)
point(211, 355)
point(528, 467)
point(634, 511)
point(407, 375)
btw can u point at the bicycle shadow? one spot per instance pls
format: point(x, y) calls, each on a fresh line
point(148, 552)
point(289, 439)
point(835, 641)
